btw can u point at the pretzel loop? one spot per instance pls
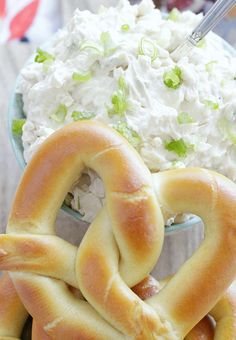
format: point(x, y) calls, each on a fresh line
point(138, 230)
point(210, 271)
point(122, 244)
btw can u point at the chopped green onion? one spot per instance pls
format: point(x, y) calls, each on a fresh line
point(174, 15)
point(212, 105)
point(209, 66)
point(125, 27)
point(77, 115)
point(148, 48)
point(60, 114)
point(180, 147)
point(173, 78)
point(201, 43)
point(122, 85)
point(108, 44)
point(119, 99)
point(105, 38)
point(69, 197)
point(128, 133)
point(90, 45)
point(17, 126)
point(184, 118)
point(43, 56)
point(227, 129)
point(119, 104)
point(81, 77)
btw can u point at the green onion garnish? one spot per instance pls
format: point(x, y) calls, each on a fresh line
point(43, 56)
point(184, 118)
point(180, 147)
point(173, 78)
point(119, 99)
point(81, 77)
point(77, 115)
point(212, 105)
point(174, 15)
point(201, 43)
point(128, 133)
point(108, 44)
point(91, 46)
point(125, 27)
point(60, 114)
point(148, 48)
point(227, 129)
point(209, 66)
point(17, 126)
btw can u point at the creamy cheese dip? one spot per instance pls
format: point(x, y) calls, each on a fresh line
point(115, 67)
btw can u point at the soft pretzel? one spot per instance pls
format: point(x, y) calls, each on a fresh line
point(132, 212)
point(220, 324)
point(209, 271)
point(122, 244)
point(212, 268)
point(204, 330)
point(224, 312)
point(12, 312)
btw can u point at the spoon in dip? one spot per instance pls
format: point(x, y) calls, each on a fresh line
point(210, 20)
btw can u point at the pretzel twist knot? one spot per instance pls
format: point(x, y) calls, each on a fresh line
point(122, 244)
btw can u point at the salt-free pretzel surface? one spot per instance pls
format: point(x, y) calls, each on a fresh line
point(14, 315)
point(204, 330)
point(101, 270)
point(138, 231)
point(223, 313)
point(12, 312)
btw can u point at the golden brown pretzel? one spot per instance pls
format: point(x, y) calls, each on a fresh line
point(204, 330)
point(223, 313)
point(12, 319)
point(149, 287)
point(212, 197)
point(12, 313)
point(120, 240)
point(212, 267)
point(138, 230)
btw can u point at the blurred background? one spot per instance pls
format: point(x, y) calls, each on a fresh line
point(24, 24)
point(35, 20)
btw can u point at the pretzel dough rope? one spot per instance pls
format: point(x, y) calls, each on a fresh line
point(223, 313)
point(204, 193)
point(134, 215)
point(204, 330)
point(212, 268)
point(208, 272)
point(12, 313)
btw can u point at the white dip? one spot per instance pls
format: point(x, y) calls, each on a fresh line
point(111, 67)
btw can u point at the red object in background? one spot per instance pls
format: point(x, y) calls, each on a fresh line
point(23, 20)
point(180, 4)
point(3, 8)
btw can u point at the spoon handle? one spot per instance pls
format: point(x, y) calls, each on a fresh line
point(210, 20)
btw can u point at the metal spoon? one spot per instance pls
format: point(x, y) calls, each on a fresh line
point(210, 20)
